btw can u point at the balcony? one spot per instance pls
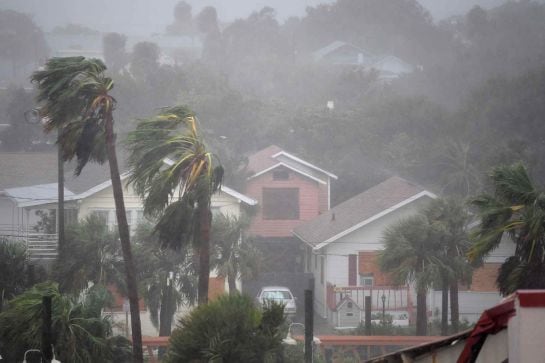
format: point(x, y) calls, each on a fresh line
point(39, 246)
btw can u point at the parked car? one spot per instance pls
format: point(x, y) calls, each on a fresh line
point(279, 294)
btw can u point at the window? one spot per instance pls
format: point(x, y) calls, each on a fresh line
point(70, 216)
point(103, 215)
point(281, 174)
point(281, 203)
point(367, 280)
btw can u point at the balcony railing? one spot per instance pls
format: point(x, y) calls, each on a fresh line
point(39, 246)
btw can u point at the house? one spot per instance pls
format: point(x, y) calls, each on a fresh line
point(511, 331)
point(341, 248)
point(340, 53)
point(289, 191)
point(28, 184)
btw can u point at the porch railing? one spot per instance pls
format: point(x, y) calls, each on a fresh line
point(39, 246)
point(396, 298)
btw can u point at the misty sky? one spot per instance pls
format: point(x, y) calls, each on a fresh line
point(148, 16)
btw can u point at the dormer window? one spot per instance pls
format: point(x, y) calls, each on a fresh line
point(281, 174)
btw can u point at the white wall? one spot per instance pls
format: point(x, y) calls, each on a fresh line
point(526, 332)
point(367, 238)
point(471, 303)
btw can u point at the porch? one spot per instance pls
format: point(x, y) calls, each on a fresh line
point(39, 246)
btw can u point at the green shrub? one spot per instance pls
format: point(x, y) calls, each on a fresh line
point(229, 329)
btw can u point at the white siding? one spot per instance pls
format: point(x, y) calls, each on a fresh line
point(367, 238)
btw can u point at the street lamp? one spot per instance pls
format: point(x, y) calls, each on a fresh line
point(383, 298)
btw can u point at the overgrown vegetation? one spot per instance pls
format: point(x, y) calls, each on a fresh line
point(229, 329)
point(81, 333)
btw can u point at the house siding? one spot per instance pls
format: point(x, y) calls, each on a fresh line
point(484, 278)
point(366, 239)
point(309, 203)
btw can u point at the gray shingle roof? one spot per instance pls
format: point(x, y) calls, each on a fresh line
point(356, 210)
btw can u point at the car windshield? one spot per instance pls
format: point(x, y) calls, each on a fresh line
point(276, 295)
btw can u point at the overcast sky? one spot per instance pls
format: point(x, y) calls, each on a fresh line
point(151, 16)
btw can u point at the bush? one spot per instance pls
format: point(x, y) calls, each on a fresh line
point(80, 333)
point(229, 329)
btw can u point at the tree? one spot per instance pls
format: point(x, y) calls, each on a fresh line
point(233, 256)
point(229, 329)
point(448, 221)
point(81, 333)
point(171, 164)
point(91, 255)
point(167, 278)
point(14, 270)
point(113, 47)
point(410, 256)
point(21, 41)
point(145, 60)
point(516, 208)
point(76, 100)
point(183, 20)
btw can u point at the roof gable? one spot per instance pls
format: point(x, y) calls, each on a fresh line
point(272, 157)
point(359, 211)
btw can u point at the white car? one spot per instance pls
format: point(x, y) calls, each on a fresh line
point(279, 294)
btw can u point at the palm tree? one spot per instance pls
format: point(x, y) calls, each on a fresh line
point(449, 219)
point(176, 175)
point(166, 278)
point(410, 256)
point(233, 256)
point(91, 255)
point(76, 101)
point(80, 332)
point(515, 208)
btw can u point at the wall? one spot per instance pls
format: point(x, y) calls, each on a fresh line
point(471, 304)
point(526, 332)
point(309, 203)
point(367, 238)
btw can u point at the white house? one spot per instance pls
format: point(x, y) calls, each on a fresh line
point(341, 250)
point(342, 243)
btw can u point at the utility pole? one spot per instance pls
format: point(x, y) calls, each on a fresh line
point(309, 325)
point(47, 337)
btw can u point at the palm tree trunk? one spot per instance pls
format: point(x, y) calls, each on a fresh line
point(454, 308)
point(232, 281)
point(124, 238)
point(421, 312)
point(205, 219)
point(444, 305)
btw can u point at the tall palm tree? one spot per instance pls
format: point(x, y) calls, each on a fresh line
point(76, 100)
point(516, 208)
point(410, 256)
point(176, 175)
point(233, 256)
point(449, 220)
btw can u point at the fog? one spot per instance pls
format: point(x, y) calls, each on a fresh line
point(388, 149)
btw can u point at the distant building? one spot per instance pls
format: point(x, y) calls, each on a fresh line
point(341, 53)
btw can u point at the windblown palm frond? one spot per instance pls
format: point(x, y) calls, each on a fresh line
point(168, 156)
point(74, 98)
point(517, 209)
